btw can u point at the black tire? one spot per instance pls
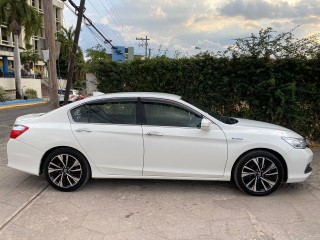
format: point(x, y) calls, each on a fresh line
point(258, 173)
point(66, 169)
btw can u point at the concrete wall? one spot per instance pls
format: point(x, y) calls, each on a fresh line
point(91, 82)
point(9, 84)
point(62, 83)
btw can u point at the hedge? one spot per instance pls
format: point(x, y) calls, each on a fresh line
point(282, 91)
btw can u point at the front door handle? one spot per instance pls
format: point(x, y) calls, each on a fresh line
point(154, 134)
point(83, 130)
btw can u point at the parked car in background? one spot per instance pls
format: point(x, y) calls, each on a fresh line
point(155, 136)
point(73, 95)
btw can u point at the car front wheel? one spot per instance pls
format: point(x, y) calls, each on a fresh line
point(258, 173)
point(66, 169)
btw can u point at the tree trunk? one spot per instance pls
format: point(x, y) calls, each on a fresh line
point(50, 42)
point(17, 67)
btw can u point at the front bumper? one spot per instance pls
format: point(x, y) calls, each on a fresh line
point(298, 164)
point(23, 157)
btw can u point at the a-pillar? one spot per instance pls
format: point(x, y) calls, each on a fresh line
point(5, 66)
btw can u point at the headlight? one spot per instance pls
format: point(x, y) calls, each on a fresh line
point(298, 143)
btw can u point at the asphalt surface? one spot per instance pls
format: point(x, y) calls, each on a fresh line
point(150, 209)
point(7, 118)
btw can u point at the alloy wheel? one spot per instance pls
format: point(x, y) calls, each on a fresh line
point(64, 170)
point(259, 174)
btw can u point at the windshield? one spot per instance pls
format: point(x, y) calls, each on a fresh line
point(224, 119)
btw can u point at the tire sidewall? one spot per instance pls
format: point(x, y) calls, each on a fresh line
point(84, 166)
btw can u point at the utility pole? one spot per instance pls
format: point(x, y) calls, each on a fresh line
point(49, 26)
point(74, 51)
point(145, 44)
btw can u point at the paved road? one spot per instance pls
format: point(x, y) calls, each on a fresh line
point(7, 118)
point(139, 209)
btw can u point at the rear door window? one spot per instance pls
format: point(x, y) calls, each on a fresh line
point(106, 112)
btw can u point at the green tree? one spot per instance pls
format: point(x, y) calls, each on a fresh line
point(270, 44)
point(18, 15)
point(65, 37)
point(95, 55)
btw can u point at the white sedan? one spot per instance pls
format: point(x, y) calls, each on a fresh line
point(155, 136)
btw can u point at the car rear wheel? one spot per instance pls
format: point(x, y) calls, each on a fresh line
point(258, 173)
point(66, 169)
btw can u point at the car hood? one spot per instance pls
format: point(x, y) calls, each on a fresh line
point(257, 124)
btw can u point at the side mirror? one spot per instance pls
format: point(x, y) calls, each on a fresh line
point(205, 124)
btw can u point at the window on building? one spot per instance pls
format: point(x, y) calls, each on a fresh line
point(4, 35)
point(33, 3)
point(40, 5)
point(57, 13)
point(57, 27)
point(36, 44)
point(126, 50)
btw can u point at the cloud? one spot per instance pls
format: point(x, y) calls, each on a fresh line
point(314, 20)
point(104, 21)
point(159, 13)
point(259, 9)
point(185, 24)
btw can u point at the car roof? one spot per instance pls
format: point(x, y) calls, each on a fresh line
point(137, 94)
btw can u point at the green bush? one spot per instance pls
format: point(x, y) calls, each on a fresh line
point(283, 91)
point(269, 77)
point(30, 93)
point(3, 95)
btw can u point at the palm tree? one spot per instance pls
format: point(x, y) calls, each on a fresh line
point(65, 37)
point(18, 15)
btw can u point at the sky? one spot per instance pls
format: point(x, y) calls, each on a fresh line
point(187, 27)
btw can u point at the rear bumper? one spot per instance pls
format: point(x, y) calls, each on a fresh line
point(24, 157)
point(298, 163)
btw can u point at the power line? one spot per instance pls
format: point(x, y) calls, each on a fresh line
point(117, 14)
point(117, 22)
point(99, 40)
point(90, 24)
point(102, 18)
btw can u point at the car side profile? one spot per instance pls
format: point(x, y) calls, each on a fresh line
point(155, 136)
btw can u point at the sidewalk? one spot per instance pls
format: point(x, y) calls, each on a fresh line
point(21, 103)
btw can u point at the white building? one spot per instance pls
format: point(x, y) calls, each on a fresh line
point(7, 49)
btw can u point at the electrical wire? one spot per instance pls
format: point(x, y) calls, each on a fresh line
point(90, 23)
point(117, 22)
point(102, 18)
point(124, 29)
point(117, 14)
point(99, 40)
point(90, 30)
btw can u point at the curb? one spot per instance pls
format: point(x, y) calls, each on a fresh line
point(22, 105)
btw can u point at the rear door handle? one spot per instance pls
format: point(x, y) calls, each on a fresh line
point(154, 134)
point(83, 130)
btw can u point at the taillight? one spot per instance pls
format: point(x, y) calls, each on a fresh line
point(71, 96)
point(17, 130)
